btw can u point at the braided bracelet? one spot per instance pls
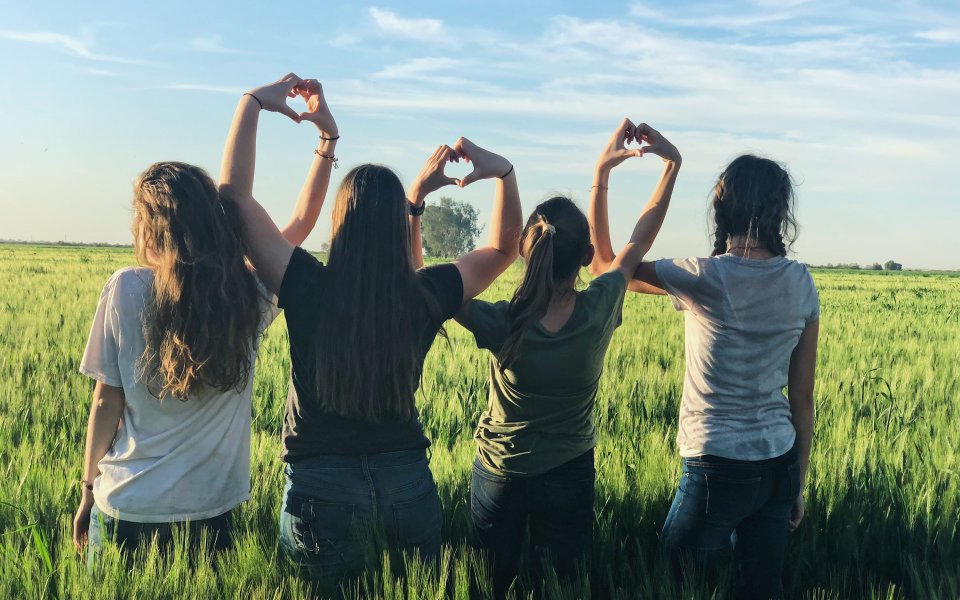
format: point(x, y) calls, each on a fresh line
point(329, 157)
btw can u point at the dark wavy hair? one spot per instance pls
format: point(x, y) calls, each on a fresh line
point(204, 315)
point(552, 259)
point(368, 334)
point(754, 198)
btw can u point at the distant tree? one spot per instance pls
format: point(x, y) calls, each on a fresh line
point(325, 247)
point(875, 267)
point(892, 266)
point(449, 228)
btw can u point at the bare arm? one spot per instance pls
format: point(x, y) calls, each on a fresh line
point(481, 267)
point(430, 179)
point(105, 414)
point(314, 189)
point(651, 219)
point(269, 250)
point(800, 386)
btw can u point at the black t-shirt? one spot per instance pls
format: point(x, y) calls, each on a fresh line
point(309, 430)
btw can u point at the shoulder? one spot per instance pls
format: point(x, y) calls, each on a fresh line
point(128, 283)
point(445, 283)
point(610, 283)
point(303, 275)
point(442, 274)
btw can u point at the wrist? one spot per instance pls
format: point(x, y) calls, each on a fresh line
point(251, 100)
point(415, 197)
point(601, 176)
point(328, 131)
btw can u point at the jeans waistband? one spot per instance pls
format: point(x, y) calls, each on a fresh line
point(788, 457)
point(357, 461)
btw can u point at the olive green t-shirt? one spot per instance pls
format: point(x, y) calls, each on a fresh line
point(540, 412)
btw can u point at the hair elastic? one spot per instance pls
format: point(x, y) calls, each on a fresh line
point(550, 229)
point(255, 98)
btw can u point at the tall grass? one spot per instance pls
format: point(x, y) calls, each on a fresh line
point(883, 497)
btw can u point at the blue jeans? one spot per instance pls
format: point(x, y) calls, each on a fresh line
point(557, 504)
point(130, 534)
point(338, 511)
point(721, 500)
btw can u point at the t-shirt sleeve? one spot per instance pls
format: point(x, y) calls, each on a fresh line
point(681, 278)
point(813, 301)
point(445, 283)
point(300, 281)
point(101, 357)
point(269, 310)
point(488, 323)
point(605, 294)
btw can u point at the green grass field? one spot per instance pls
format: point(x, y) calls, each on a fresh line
point(884, 492)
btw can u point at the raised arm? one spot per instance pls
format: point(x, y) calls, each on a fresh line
point(482, 266)
point(269, 250)
point(314, 189)
point(105, 414)
point(430, 179)
point(642, 276)
point(800, 385)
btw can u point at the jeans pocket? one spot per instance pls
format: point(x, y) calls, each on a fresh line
point(322, 537)
point(730, 497)
point(791, 483)
point(417, 522)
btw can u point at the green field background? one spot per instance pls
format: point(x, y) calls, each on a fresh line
point(883, 497)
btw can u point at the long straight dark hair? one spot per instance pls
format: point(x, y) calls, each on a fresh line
point(554, 244)
point(204, 315)
point(754, 198)
point(368, 336)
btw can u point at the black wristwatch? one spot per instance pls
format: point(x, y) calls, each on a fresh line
point(416, 211)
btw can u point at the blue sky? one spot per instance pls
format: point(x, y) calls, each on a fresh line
point(859, 100)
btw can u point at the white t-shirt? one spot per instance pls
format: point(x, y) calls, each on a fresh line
point(171, 460)
point(743, 320)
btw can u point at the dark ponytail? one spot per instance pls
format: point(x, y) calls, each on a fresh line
point(754, 198)
point(554, 244)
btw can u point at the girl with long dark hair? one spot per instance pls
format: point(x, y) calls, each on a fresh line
point(360, 327)
point(535, 462)
point(752, 321)
point(172, 349)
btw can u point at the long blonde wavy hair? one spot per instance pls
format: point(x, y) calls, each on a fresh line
point(203, 316)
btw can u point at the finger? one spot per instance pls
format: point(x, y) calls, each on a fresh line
point(451, 181)
point(290, 113)
point(469, 178)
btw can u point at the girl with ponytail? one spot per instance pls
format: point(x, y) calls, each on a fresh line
point(172, 350)
point(752, 321)
point(534, 462)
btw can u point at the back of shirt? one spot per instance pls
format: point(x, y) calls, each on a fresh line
point(743, 320)
point(171, 460)
point(540, 412)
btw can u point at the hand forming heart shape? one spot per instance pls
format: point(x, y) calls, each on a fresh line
point(486, 165)
point(616, 151)
point(273, 97)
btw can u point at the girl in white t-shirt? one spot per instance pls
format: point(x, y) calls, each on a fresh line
point(752, 320)
point(173, 348)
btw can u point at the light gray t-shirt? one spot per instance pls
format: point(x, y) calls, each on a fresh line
point(743, 320)
point(170, 460)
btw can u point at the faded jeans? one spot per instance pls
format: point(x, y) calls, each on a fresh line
point(557, 504)
point(337, 509)
point(720, 500)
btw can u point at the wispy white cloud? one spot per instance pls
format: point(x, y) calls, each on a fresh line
point(67, 43)
point(101, 72)
point(390, 23)
point(943, 36)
